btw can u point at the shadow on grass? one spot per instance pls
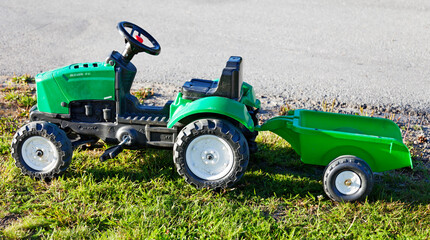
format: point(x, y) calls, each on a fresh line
point(138, 165)
point(279, 171)
point(271, 171)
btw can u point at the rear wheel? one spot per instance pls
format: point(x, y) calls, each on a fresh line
point(348, 178)
point(211, 153)
point(41, 150)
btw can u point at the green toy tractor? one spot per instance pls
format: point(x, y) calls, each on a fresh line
point(211, 126)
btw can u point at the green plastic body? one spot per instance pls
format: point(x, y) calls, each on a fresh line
point(320, 137)
point(83, 81)
point(184, 108)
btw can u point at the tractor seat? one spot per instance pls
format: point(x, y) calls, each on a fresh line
point(229, 85)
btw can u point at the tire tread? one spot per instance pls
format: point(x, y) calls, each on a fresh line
point(350, 161)
point(50, 131)
point(220, 128)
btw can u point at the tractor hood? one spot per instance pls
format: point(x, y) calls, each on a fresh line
point(82, 81)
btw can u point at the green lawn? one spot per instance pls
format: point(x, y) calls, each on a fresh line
point(139, 195)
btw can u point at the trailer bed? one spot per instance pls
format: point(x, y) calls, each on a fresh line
point(320, 137)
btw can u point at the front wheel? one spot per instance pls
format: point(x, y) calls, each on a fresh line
point(347, 179)
point(41, 150)
point(211, 153)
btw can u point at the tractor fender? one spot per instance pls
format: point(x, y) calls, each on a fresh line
point(183, 108)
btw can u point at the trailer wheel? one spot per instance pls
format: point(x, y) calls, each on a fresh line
point(41, 150)
point(348, 178)
point(211, 153)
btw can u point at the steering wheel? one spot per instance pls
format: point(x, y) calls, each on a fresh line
point(136, 42)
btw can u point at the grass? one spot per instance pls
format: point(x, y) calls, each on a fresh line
point(143, 93)
point(23, 99)
point(23, 79)
point(18, 97)
point(140, 195)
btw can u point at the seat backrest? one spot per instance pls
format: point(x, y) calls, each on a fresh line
point(230, 83)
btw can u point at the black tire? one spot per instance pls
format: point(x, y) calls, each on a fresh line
point(225, 153)
point(250, 138)
point(348, 178)
point(41, 150)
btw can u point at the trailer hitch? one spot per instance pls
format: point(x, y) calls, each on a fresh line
point(113, 151)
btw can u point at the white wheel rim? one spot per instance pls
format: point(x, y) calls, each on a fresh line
point(39, 153)
point(348, 182)
point(209, 157)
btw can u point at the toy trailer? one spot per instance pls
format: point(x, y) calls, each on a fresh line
point(352, 147)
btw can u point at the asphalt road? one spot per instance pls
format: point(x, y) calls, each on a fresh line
point(367, 52)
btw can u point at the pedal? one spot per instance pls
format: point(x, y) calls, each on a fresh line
point(113, 151)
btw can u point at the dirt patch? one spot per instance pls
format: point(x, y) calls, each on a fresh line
point(9, 94)
point(8, 220)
